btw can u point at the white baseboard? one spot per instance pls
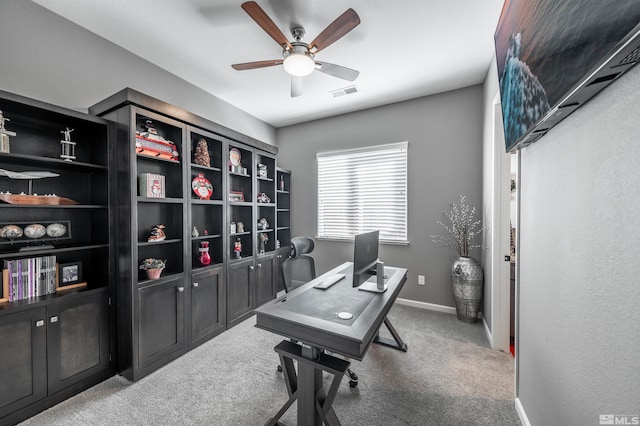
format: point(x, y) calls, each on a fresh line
point(429, 306)
point(487, 331)
point(523, 416)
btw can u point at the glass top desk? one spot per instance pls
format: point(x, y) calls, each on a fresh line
point(310, 316)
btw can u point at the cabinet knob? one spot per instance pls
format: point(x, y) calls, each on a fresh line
point(196, 284)
point(251, 267)
point(39, 323)
point(180, 289)
point(54, 319)
point(259, 265)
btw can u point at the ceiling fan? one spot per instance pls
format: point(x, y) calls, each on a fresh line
point(298, 56)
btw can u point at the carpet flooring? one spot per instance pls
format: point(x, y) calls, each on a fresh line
point(448, 376)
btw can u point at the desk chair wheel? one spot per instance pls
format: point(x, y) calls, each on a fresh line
point(354, 378)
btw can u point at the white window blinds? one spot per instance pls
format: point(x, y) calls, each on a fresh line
point(361, 190)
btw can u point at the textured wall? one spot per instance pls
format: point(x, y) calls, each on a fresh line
point(445, 159)
point(580, 266)
point(47, 57)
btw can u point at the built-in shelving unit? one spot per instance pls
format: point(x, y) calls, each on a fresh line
point(54, 345)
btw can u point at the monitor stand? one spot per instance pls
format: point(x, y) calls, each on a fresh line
point(372, 286)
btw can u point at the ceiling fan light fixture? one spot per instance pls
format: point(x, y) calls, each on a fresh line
point(299, 62)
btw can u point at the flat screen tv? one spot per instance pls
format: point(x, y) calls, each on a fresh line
point(554, 55)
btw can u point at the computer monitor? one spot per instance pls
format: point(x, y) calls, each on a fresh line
point(365, 256)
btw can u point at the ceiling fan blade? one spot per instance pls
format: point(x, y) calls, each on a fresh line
point(263, 20)
point(337, 71)
point(257, 64)
point(296, 86)
point(336, 30)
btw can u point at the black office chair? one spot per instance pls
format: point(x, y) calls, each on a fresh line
point(299, 269)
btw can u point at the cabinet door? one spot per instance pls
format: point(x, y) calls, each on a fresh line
point(239, 291)
point(160, 309)
point(207, 304)
point(264, 280)
point(78, 338)
point(23, 368)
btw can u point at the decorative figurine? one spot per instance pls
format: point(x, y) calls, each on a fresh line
point(4, 135)
point(235, 158)
point(204, 257)
point(157, 234)
point(152, 144)
point(263, 197)
point(194, 232)
point(240, 227)
point(263, 240)
point(68, 148)
point(262, 170)
point(201, 155)
point(205, 232)
point(281, 182)
point(263, 224)
point(202, 187)
point(237, 248)
point(233, 227)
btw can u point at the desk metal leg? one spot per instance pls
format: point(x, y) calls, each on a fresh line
point(314, 406)
point(396, 343)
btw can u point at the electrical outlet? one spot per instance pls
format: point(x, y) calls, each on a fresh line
point(420, 279)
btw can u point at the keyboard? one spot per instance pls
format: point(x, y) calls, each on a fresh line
point(329, 281)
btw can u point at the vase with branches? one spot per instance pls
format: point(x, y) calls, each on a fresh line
point(462, 228)
point(466, 273)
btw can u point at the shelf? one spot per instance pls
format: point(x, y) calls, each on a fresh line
point(240, 174)
point(280, 191)
point(236, 234)
point(163, 278)
point(157, 243)
point(164, 160)
point(208, 202)
point(206, 237)
point(282, 210)
point(54, 206)
point(35, 160)
point(265, 230)
point(266, 179)
point(62, 249)
point(266, 204)
point(241, 203)
point(160, 200)
point(197, 166)
point(282, 228)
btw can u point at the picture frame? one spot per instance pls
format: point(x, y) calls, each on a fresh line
point(69, 276)
point(237, 196)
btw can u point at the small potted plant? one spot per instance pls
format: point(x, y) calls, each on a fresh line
point(153, 267)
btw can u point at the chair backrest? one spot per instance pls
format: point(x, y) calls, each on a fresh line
point(299, 268)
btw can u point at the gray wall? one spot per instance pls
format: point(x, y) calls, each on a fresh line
point(47, 57)
point(579, 264)
point(445, 149)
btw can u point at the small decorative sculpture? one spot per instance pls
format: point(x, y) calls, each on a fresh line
point(68, 148)
point(240, 227)
point(263, 171)
point(263, 224)
point(157, 234)
point(195, 233)
point(201, 155)
point(232, 228)
point(263, 240)
point(4, 135)
point(204, 257)
point(237, 248)
point(263, 197)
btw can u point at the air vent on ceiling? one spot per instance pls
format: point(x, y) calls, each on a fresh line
point(344, 91)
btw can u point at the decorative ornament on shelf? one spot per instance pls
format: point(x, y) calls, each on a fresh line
point(232, 228)
point(263, 241)
point(263, 197)
point(201, 154)
point(466, 273)
point(263, 171)
point(281, 182)
point(67, 147)
point(204, 258)
point(263, 224)
point(194, 232)
point(157, 234)
point(202, 187)
point(4, 135)
point(153, 267)
point(235, 161)
point(237, 248)
point(239, 227)
point(152, 144)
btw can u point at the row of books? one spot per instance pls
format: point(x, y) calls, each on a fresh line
point(31, 277)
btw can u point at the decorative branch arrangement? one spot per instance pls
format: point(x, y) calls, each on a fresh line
point(463, 228)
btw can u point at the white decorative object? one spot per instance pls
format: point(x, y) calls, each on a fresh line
point(68, 148)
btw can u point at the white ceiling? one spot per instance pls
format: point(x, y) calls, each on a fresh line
point(403, 49)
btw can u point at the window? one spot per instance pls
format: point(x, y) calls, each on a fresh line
point(361, 190)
